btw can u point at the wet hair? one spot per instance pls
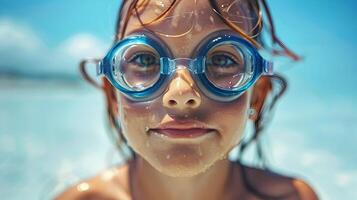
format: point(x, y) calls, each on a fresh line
point(276, 84)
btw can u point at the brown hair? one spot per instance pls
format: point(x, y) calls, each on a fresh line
point(275, 85)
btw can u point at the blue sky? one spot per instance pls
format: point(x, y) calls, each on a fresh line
point(55, 21)
point(313, 132)
point(312, 28)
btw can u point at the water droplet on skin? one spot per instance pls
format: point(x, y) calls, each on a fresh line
point(147, 107)
point(168, 156)
point(83, 187)
point(174, 23)
point(189, 36)
point(160, 3)
point(108, 175)
point(153, 118)
point(195, 13)
point(191, 84)
point(225, 7)
point(198, 27)
point(199, 151)
point(223, 157)
point(157, 11)
point(211, 19)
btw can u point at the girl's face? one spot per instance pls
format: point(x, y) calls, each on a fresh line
point(183, 100)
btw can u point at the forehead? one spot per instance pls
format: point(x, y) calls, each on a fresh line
point(186, 24)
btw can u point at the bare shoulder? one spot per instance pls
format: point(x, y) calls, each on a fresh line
point(304, 190)
point(111, 184)
point(271, 184)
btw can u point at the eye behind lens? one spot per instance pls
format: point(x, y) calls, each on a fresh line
point(138, 67)
point(144, 59)
point(223, 60)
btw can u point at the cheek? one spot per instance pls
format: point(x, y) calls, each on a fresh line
point(135, 118)
point(232, 118)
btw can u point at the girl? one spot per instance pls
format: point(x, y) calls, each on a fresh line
point(181, 82)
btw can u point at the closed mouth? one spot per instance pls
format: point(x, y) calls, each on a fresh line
point(183, 133)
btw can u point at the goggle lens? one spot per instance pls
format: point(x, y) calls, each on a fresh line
point(227, 66)
point(137, 67)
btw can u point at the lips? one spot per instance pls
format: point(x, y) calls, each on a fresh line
point(186, 129)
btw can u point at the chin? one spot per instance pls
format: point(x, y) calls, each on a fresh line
point(182, 172)
point(183, 167)
point(183, 162)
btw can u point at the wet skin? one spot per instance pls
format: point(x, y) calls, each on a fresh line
point(186, 168)
point(191, 156)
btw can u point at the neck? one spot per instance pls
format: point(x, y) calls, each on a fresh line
point(210, 185)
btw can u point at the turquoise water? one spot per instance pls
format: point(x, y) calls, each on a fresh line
point(53, 133)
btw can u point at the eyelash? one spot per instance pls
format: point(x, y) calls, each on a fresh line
point(138, 55)
point(226, 55)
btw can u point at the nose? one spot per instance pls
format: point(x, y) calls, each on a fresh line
point(181, 94)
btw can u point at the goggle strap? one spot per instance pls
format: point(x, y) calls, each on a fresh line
point(84, 73)
point(100, 68)
point(268, 67)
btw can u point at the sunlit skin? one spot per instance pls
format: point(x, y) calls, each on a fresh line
point(190, 157)
point(162, 159)
point(188, 168)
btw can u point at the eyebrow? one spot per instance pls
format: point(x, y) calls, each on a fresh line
point(151, 33)
point(139, 31)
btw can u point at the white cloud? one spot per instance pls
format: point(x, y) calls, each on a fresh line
point(22, 50)
point(314, 158)
point(343, 179)
point(83, 45)
point(16, 35)
point(294, 153)
point(346, 179)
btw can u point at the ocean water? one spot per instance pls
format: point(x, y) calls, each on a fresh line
point(53, 133)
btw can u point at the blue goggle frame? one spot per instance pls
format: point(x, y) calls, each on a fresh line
point(195, 66)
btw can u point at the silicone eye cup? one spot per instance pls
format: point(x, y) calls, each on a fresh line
point(221, 78)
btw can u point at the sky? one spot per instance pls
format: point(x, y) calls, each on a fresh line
point(51, 36)
point(313, 132)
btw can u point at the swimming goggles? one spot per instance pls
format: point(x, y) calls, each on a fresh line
point(223, 66)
